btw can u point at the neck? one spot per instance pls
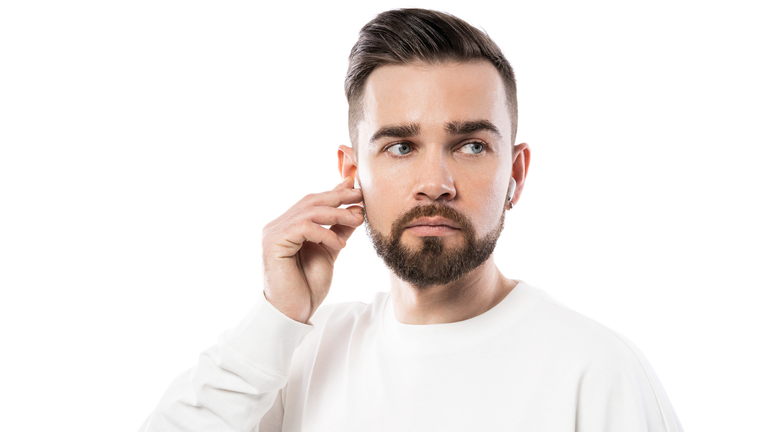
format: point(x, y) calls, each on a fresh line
point(477, 292)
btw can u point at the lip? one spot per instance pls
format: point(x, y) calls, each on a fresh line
point(435, 221)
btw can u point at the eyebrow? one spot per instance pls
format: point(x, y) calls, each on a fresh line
point(453, 128)
point(398, 131)
point(466, 127)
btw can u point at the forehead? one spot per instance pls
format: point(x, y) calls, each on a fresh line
point(432, 95)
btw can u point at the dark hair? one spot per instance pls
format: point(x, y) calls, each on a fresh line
point(404, 36)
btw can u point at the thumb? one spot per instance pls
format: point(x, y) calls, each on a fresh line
point(344, 231)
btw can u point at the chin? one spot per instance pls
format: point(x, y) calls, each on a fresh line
point(448, 243)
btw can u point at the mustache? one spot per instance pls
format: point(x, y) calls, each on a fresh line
point(431, 210)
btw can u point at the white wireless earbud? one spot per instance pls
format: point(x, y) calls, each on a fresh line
point(512, 188)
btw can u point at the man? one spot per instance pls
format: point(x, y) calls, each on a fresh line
point(455, 345)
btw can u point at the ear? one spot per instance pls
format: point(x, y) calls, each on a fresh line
point(521, 158)
point(347, 161)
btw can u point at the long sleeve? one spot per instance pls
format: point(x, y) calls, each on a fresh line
point(622, 393)
point(235, 381)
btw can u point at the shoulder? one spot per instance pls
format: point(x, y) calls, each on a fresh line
point(612, 375)
point(345, 313)
point(335, 322)
point(569, 331)
point(338, 327)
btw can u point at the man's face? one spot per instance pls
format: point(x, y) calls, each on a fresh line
point(434, 162)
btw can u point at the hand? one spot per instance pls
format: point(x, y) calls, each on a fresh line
point(299, 252)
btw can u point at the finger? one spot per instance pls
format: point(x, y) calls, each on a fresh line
point(337, 197)
point(352, 216)
point(290, 241)
point(347, 183)
point(334, 198)
point(343, 232)
point(357, 209)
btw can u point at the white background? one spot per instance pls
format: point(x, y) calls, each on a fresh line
point(144, 144)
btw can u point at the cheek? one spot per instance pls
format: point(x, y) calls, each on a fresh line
point(487, 197)
point(385, 194)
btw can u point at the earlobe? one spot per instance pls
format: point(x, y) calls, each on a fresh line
point(347, 162)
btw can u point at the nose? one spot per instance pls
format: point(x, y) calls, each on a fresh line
point(434, 180)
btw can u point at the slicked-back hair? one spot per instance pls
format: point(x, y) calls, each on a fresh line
point(408, 36)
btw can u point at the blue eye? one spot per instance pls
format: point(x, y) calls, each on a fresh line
point(473, 148)
point(399, 149)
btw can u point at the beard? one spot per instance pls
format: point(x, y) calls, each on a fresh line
point(432, 263)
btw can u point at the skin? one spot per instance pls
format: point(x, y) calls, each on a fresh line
point(469, 170)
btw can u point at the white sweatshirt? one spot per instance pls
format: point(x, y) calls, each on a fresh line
point(528, 364)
